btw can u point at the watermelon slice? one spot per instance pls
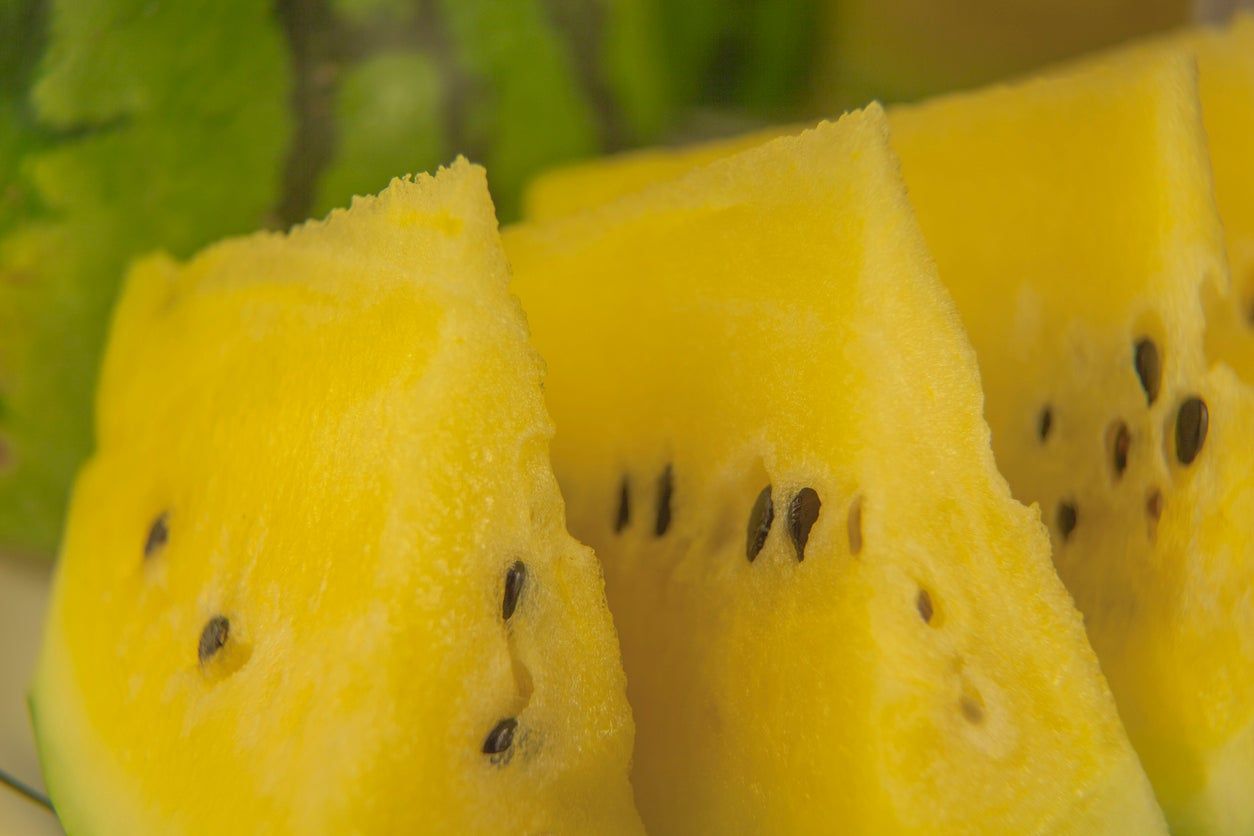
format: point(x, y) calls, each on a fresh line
point(316, 577)
point(769, 425)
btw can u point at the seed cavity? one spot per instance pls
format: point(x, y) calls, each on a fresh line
point(1119, 440)
point(803, 511)
point(923, 602)
point(158, 534)
point(1148, 367)
point(665, 489)
point(213, 637)
point(854, 524)
point(1045, 423)
point(760, 519)
point(1192, 422)
point(1154, 505)
point(515, 577)
point(972, 708)
point(500, 739)
point(623, 518)
point(1066, 517)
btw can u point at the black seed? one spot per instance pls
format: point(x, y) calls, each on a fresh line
point(514, 579)
point(1066, 519)
point(1192, 421)
point(665, 487)
point(213, 637)
point(1121, 442)
point(501, 737)
point(924, 603)
point(1045, 423)
point(971, 709)
point(158, 534)
point(1154, 505)
point(623, 516)
point(1148, 368)
point(802, 513)
point(760, 519)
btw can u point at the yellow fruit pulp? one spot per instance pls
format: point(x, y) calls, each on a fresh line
point(335, 441)
point(1072, 217)
point(774, 320)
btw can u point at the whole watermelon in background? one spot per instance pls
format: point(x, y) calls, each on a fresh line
point(316, 577)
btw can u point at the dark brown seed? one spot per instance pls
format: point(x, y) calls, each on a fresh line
point(971, 709)
point(1192, 421)
point(1154, 505)
point(515, 576)
point(760, 519)
point(1044, 423)
point(623, 517)
point(802, 513)
point(665, 488)
point(924, 603)
point(213, 637)
point(1067, 518)
point(1121, 442)
point(501, 737)
point(1148, 367)
point(158, 534)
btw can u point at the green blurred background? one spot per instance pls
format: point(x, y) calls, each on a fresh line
point(132, 125)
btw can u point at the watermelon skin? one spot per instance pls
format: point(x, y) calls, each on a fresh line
point(114, 158)
point(335, 440)
point(774, 320)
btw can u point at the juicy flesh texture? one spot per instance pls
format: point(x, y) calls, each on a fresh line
point(1063, 246)
point(1066, 243)
point(344, 430)
point(773, 319)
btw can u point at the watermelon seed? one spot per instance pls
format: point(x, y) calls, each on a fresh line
point(1154, 505)
point(158, 534)
point(802, 513)
point(1067, 517)
point(500, 738)
point(1120, 441)
point(623, 517)
point(1148, 368)
point(923, 601)
point(760, 519)
point(213, 637)
point(665, 487)
point(515, 576)
point(1044, 423)
point(854, 524)
point(1192, 421)
point(971, 708)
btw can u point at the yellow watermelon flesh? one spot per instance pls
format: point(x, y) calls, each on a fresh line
point(833, 614)
point(316, 577)
point(1103, 234)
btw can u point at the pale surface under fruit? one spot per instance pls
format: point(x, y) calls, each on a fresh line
point(341, 431)
point(774, 320)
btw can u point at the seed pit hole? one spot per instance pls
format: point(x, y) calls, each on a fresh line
point(1118, 444)
point(622, 517)
point(803, 511)
point(1044, 423)
point(1148, 365)
point(854, 525)
point(515, 578)
point(665, 492)
point(1066, 518)
point(972, 707)
point(158, 534)
point(1154, 505)
point(1192, 423)
point(760, 518)
point(923, 603)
